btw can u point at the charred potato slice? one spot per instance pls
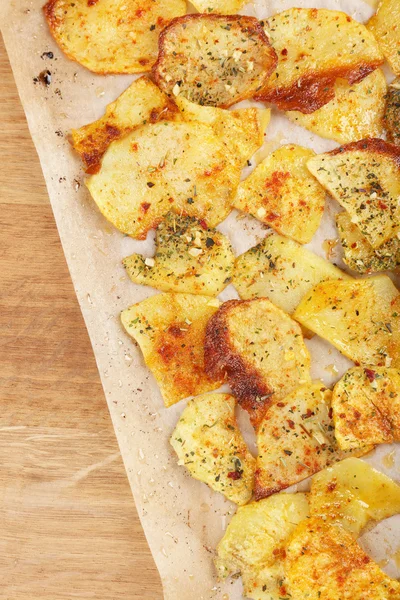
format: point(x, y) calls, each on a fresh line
point(392, 113)
point(221, 7)
point(213, 60)
point(385, 25)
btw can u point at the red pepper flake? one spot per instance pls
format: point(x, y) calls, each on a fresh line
point(235, 475)
point(382, 205)
point(290, 423)
point(370, 374)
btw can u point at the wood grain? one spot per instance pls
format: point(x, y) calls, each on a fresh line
point(68, 525)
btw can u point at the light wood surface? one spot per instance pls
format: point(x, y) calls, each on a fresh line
point(68, 524)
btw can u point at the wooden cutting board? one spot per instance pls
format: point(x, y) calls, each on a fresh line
point(68, 524)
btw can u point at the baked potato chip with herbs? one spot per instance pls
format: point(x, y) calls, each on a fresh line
point(352, 493)
point(170, 330)
point(281, 270)
point(315, 47)
point(361, 318)
point(281, 193)
point(356, 111)
point(111, 36)
point(259, 349)
point(254, 543)
point(364, 177)
point(366, 407)
point(385, 25)
point(324, 562)
point(189, 258)
point(214, 60)
point(221, 7)
point(209, 443)
point(392, 113)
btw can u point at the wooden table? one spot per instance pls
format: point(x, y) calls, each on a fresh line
point(68, 524)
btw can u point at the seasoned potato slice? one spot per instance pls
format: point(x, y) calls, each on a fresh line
point(360, 318)
point(281, 193)
point(314, 48)
point(111, 36)
point(222, 7)
point(209, 443)
point(281, 270)
point(214, 60)
point(364, 177)
point(385, 25)
point(352, 493)
point(259, 349)
point(170, 330)
point(366, 407)
point(254, 542)
point(183, 167)
point(189, 258)
point(392, 113)
point(356, 111)
point(323, 562)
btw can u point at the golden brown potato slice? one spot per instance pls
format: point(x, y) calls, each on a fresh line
point(209, 443)
point(253, 544)
point(366, 407)
point(282, 194)
point(214, 60)
point(356, 111)
point(111, 36)
point(352, 493)
point(315, 47)
point(281, 270)
point(392, 113)
point(385, 25)
point(323, 562)
point(259, 349)
point(170, 330)
point(360, 318)
point(364, 177)
point(219, 7)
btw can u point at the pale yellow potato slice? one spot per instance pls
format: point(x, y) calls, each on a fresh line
point(392, 113)
point(221, 7)
point(385, 25)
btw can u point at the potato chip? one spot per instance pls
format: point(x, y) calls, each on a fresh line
point(385, 25)
point(392, 113)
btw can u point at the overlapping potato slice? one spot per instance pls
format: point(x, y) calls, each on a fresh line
point(281, 270)
point(364, 177)
point(111, 36)
point(366, 407)
point(209, 443)
point(361, 318)
point(259, 349)
point(189, 258)
point(324, 562)
point(315, 47)
point(170, 330)
point(221, 7)
point(254, 542)
point(214, 60)
point(356, 111)
point(352, 493)
point(385, 25)
point(281, 193)
point(392, 113)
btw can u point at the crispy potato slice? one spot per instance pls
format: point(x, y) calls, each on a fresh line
point(315, 47)
point(366, 407)
point(111, 36)
point(361, 318)
point(392, 113)
point(385, 25)
point(352, 493)
point(259, 349)
point(219, 7)
point(254, 542)
point(209, 443)
point(323, 562)
point(364, 177)
point(281, 270)
point(214, 60)
point(359, 255)
point(281, 193)
point(189, 258)
point(166, 166)
point(356, 111)
point(170, 330)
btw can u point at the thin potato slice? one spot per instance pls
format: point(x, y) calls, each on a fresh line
point(111, 36)
point(315, 47)
point(385, 25)
point(360, 318)
point(281, 270)
point(392, 113)
point(366, 407)
point(364, 177)
point(282, 194)
point(189, 258)
point(209, 443)
point(214, 60)
point(170, 330)
point(219, 7)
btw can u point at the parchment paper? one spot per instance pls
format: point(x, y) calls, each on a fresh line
point(183, 520)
